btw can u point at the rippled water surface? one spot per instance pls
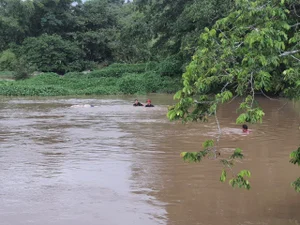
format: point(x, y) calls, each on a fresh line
point(119, 165)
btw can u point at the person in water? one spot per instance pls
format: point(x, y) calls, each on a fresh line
point(149, 103)
point(137, 103)
point(245, 129)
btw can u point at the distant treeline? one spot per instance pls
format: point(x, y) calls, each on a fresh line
point(65, 35)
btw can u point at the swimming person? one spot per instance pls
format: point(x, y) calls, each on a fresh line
point(137, 103)
point(82, 106)
point(245, 129)
point(149, 103)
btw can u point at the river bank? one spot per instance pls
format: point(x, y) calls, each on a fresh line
point(112, 80)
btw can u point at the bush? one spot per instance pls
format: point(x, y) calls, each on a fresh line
point(52, 84)
point(23, 70)
point(8, 60)
point(171, 66)
point(118, 70)
point(131, 84)
point(148, 82)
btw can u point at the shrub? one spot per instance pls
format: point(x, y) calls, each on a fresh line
point(23, 70)
point(118, 70)
point(8, 60)
point(171, 66)
point(131, 84)
point(52, 84)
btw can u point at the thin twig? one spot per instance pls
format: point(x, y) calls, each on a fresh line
point(295, 25)
point(295, 11)
point(225, 86)
point(233, 99)
point(239, 45)
point(282, 106)
point(295, 58)
point(289, 53)
point(219, 135)
point(223, 33)
point(233, 173)
point(252, 89)
point(219, 128)
point(272, 99)
point(203, 102)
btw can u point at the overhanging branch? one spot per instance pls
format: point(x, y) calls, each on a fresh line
point(203, 102)
point(295, 25)
point(289, 53)
point(295, 58)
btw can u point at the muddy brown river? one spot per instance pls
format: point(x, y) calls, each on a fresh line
point(119, 165)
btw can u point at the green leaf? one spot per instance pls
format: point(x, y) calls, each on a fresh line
point(226, 162)
point(239, 180)
point(295, 157)
point(244, 173)
point(242, 118)
point(223, 176)
point(208, 143)
point(178, 95)
point(296, 185)
point(237, 154)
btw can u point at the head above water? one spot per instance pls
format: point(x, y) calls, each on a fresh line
point(136, 100)
point(149, 101)
point(245, 128)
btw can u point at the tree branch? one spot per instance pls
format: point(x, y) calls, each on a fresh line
point(289, 53)
point(295, 11)
point(233, 99)
point(272, 99)
point(203, 102)
point(224, 87)
point(282, 106)
point(219, 128)
point(295, 58)
point(295, 25)
point(252, 89)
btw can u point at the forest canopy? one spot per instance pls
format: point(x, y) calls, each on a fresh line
point(66, 35)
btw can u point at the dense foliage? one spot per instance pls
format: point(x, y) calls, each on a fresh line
point(255, 49)
point(115, 79)
point(99, 32)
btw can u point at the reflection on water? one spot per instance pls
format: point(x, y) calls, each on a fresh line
point(114, 164)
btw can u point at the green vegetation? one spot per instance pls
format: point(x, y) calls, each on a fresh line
point(111, 80)
point(70, 35)
point(255, 49)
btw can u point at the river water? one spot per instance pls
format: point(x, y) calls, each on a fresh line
point(119, 165)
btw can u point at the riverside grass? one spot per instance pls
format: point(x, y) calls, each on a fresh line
point(116, 79)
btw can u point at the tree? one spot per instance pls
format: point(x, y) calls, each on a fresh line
point(8, 60)
point(14, 21)
point(255, 49)
point(99, 21)
point(54, 17)
point(175, 26)
point(51, 53)
point(131, 42)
